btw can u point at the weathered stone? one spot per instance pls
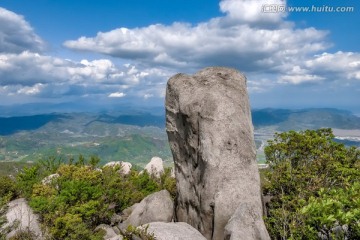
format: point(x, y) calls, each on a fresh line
point(19, 211)
point(173, 231)
point(118, 237)
point(155, 167)
point(109, 231)
point(125, 167)
point(157, 207)
point(210, 132)
point(49, 179)
point(115, 219)
point(245, 224)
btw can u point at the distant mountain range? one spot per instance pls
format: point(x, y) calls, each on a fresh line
point(285, 119)
point(137, 136)
point(282, 119)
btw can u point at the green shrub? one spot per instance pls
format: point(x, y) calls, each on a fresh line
point(314, 184)
point(82, 197)
point(8, 187)
point(140, 232)
point(72, 227)
point(26, 180)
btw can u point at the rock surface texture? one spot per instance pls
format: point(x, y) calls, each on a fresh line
point(157, 207)
point(125, 167)
point(210, 132)
point(155, 166)
point(20, 211)
point(245, 224)
point(174, 231)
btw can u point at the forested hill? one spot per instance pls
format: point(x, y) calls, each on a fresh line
point(282, 119)
point(285, 119)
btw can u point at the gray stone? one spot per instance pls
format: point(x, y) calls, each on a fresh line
point(49, 179)
point(245, 224)
point(155, 167)
point(210, 132)
point(157, 207)
point(119, 237)
point(174, 231)
point(115, 219)
point(109, 231)
point(19, 211)
point(125, 167)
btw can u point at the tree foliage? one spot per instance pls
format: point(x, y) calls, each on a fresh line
point(314, 185)
point(81, 196)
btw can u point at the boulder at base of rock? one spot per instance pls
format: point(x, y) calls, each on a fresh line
point(208, 122)
point(173, 231)
point(241, 225)
point(157, 207)
point(155, 166)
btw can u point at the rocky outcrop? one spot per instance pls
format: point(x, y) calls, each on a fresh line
point(49, 179)
point(245, 224)
point(155, 167)
point(157, 207)
point(210, 133)
point(125, 167)
point(19, 211)
point(174, 231)
point(110, 234)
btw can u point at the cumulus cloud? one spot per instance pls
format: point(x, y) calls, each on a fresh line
point(273, 52)
point(117, 95)
point(344, 64)
point(34, 74)
point(250, 11)
point(16, 34)
point(245, 38)
point(182, 45)
point(335, 67)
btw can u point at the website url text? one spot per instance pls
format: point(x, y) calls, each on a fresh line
point(279, 8)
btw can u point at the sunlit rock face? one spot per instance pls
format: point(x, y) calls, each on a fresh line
point(209, 127)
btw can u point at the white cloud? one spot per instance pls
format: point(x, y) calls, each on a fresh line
point(331, 67)
point(39, 75)
point(117, 95)
point(273, 52)
point(36, 89)
point(297, 79)
point(148, 95)
point(28, 68)
point(245, 38)
point(16, 34)
point(251, 11)
point(344, 64)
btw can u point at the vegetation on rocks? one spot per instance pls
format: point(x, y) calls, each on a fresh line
point(81, 196)
point(314, 184)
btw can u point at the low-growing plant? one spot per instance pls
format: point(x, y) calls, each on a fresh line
point(141, 232)
point(82, 196)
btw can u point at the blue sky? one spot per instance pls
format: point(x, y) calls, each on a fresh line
point(111, 52)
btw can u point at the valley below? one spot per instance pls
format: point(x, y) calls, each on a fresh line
point(137, 137)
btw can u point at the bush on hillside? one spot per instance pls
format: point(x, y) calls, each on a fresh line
point(82, 196)
point(314, 184)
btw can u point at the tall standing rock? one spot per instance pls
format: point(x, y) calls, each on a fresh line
point(209, 127)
